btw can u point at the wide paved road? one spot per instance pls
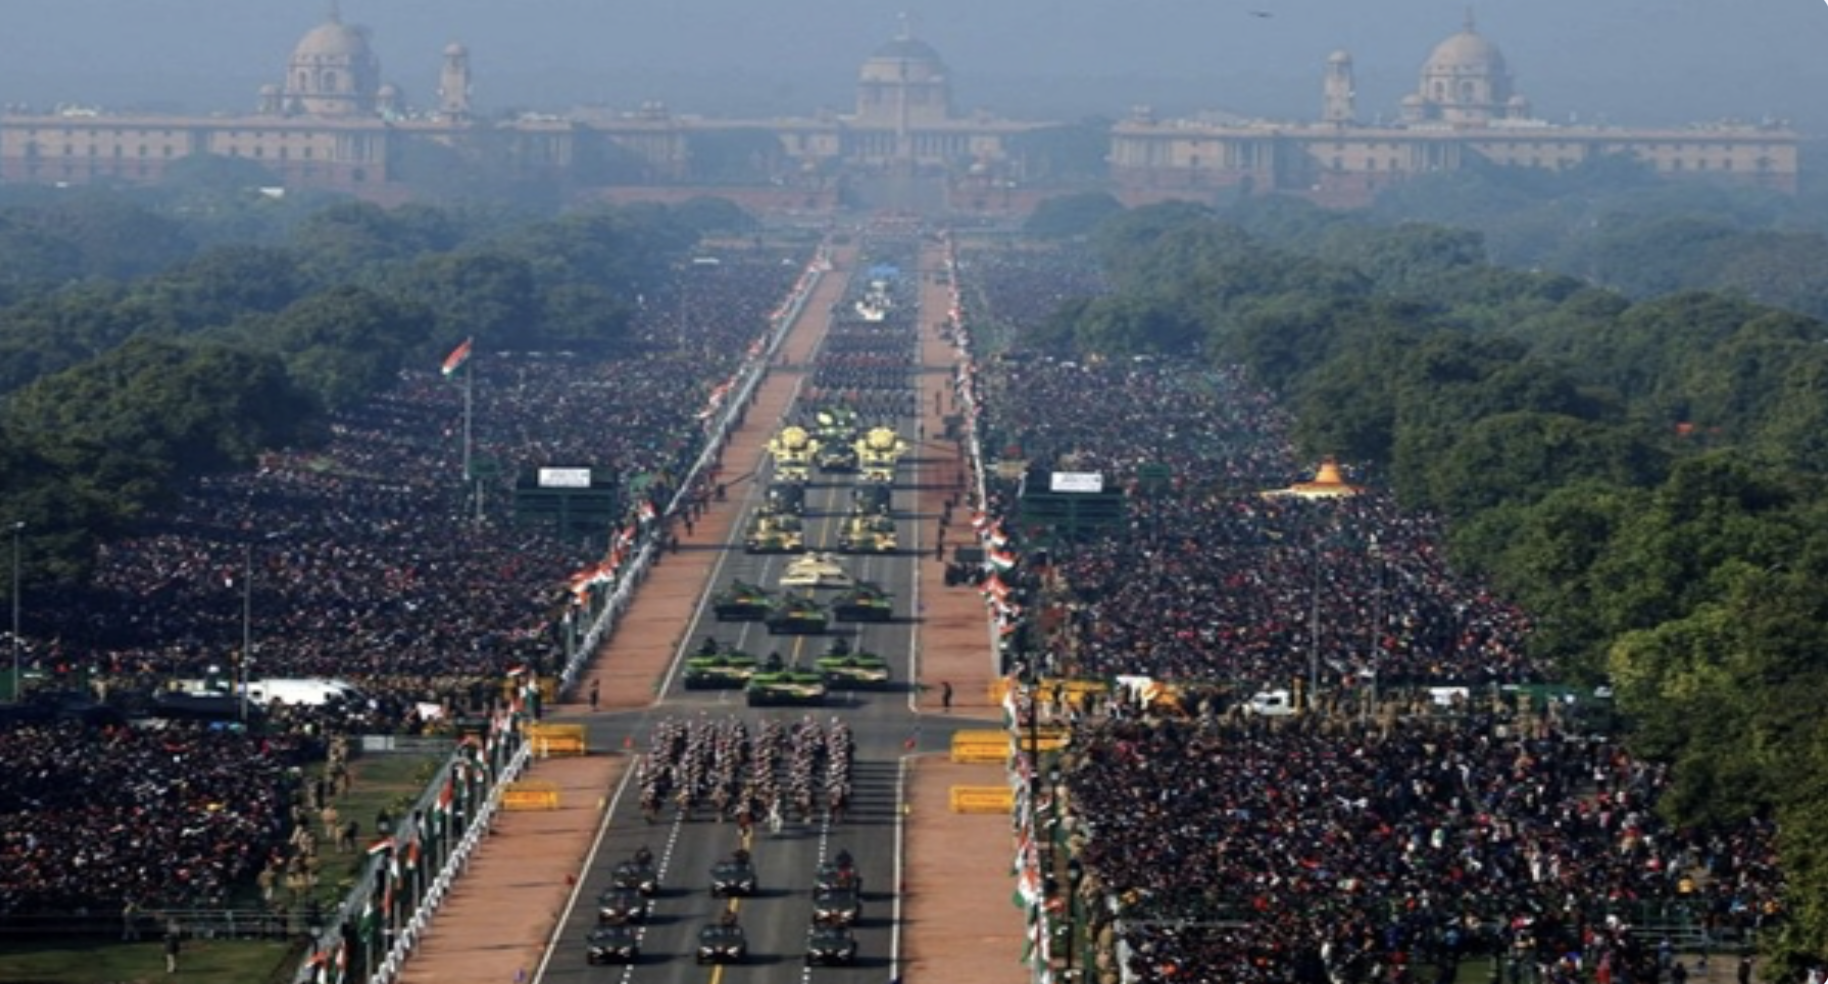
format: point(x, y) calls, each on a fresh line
point(776, 920)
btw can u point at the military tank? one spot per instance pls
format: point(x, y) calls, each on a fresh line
point(775, 533)
point(742, 602)
point(715, 667)
point(841, 666)
point(863, 602)
point(867, 534)
point(797, 615)
point(785, 688)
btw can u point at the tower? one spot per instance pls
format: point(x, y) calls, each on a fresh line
point(1338, 92)
point(454, 83)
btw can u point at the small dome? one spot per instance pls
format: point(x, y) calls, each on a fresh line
point(1466, 53)
point(1340, 57)
point(270, 89)
point(454, 50)
point(334, 39)
point(388, 91)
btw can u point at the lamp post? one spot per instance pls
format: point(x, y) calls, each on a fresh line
point(1313, 700)
point(18, 643)
point(247, 628)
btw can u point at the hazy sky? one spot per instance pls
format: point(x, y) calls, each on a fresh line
point(1624, 61)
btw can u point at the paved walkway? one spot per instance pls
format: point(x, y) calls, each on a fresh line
point(960, 927)
point(496, 924)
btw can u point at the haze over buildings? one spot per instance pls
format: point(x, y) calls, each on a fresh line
point(1642, 62)
point(339, 115)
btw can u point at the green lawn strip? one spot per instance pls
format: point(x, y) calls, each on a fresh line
point(101, 961)
point(390, 781)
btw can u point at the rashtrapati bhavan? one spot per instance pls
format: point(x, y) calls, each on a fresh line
point(332, 122)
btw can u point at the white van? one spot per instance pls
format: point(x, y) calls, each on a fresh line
point(1271, 703)
point(306, 691)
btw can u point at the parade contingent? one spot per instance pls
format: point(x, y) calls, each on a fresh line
point(371, 561)
point(754, 774)
point(1437, 800)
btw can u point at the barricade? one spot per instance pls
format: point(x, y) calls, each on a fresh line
point(1071, 690)
point(983, 799)
point(557, 739)
point(530, 794)
point(980, 746)
point(1044, 739)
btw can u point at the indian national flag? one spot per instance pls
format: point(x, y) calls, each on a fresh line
point(648, 513)
point(1002, 560)
point(380, 847)
point(458, 356)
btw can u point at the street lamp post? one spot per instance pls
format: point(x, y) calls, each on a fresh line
point(1313, 700)
point(18, 643)
point(247, 628)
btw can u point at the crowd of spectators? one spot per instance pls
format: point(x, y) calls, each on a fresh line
point(1386, 842)
point(93, 818)
point(372, 561)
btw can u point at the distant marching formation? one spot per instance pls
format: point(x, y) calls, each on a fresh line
point(782, 771)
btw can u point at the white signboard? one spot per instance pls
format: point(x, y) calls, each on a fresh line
point(564, 478)
point(1076, 482)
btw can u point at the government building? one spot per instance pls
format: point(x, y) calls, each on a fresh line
point(332, 122)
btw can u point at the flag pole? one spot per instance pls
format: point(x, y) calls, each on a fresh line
point(469, 409)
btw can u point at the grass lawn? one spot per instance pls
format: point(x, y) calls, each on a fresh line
point(111, 962)
point(393, 781)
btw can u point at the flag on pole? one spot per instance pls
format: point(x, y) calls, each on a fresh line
point(380, 847)
point(458, 356)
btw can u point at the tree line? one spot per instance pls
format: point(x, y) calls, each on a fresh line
point(135, 356)
point(1643, 474)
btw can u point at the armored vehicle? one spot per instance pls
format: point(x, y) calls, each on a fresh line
point(864, 602)
point(742, 602)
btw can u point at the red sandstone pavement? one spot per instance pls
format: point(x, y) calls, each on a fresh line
point(960, 926)
point(501, 914)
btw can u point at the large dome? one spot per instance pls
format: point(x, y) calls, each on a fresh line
point(334, 39)
point(1466, 53)
point(907, 49)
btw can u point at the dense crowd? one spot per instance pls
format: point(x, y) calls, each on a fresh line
point(371, 561)
point(101, 817)
point(1384, 844)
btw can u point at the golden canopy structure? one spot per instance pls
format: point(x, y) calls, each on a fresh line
point(1328, 483)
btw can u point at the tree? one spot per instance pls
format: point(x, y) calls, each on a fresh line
point(1067, 216)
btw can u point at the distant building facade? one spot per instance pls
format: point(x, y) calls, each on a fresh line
point(334, 123)
point(1464, 110)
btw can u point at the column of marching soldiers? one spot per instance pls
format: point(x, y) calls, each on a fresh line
point(729, 770)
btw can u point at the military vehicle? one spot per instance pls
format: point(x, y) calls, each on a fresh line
point(867, 534)
point(733, 877)
point(837, 457)
point(791, 687)
point(714, 667)
point(877, 454)
point(769, 533)
point(788, 500)
point(836, 906)
point(616, 942)
point(830, 946)
point(622, 905)
point(865, 602)
point(742, 602)
point(842, 666)
point(870, 500)
point(793, 450)
point(797, 615)
point(722, 942)
point(815, 570)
